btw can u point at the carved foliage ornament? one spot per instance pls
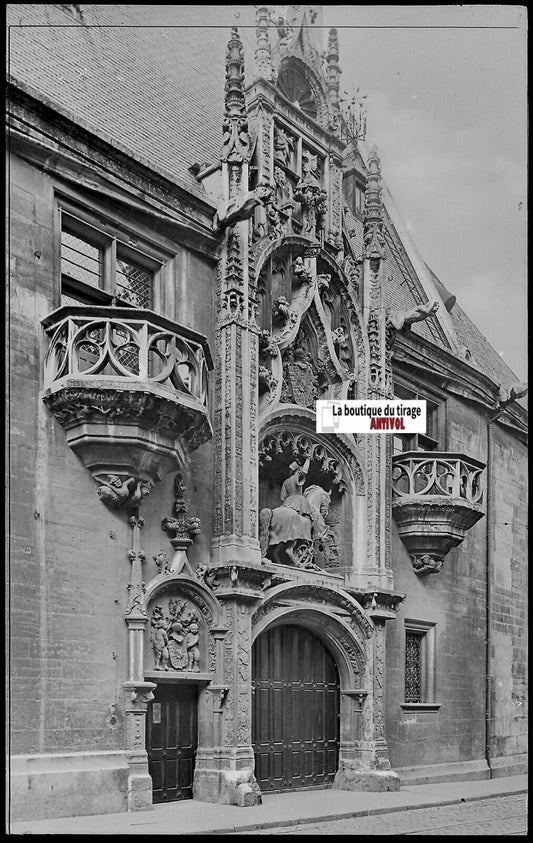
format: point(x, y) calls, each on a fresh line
point(302, 447)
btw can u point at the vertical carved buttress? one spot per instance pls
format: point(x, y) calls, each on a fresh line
point(236, 333)
point(378, 449)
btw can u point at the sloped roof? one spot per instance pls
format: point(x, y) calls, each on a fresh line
point(151, 79)
point(141, 75)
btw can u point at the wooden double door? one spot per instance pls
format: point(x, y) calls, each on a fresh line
point(295, 727)
point(172, 740)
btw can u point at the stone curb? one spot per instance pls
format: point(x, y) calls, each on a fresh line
point(370, 812)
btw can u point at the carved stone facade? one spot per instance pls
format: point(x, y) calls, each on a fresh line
point(227, 516)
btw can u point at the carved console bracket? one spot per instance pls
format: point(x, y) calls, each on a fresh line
point(437, 499)
point(129, 388)
point(378, 604)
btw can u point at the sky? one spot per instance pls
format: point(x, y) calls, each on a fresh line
point(446, 102)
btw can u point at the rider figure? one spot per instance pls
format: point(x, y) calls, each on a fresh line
point(292, 489)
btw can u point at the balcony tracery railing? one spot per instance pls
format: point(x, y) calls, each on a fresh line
point(117, 342)
point(432, 474)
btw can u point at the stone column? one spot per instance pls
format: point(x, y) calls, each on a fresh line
point(236, 390)
point(376, 572)
point(137, 692)
point(224, 771)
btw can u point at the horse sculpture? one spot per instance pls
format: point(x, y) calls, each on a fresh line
point(287, 536)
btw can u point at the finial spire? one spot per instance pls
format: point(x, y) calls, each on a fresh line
point(373, 214)
point(333, 68)
point(263, 52)
point(236, 140)
point(234, 99)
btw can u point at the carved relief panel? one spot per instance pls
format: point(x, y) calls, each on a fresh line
point(310, 338)
point(177, 636)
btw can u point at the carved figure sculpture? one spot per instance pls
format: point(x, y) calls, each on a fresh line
point(281, 310)
point(193, 651)
point(300, 271)
point(274, 223)
point(287, 533)
point(283, 190)
point(283, 144)
point(159, 640)
point(116, 492)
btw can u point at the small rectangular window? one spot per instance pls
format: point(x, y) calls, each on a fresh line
point(420, 665)
point(413, 667)
point(431, 440)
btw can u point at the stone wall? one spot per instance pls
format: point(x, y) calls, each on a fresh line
point(455, 600)
point(69, 564)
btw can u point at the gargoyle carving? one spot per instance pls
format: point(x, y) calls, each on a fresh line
point(241, 207)
point(399, 319)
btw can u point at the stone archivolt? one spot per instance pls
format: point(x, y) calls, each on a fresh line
point(335, 616)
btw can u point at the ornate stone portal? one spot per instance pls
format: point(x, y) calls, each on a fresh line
point(289, 505)
point(298, 519)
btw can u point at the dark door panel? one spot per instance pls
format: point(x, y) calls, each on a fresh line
point(295, 710)
point(172, 741)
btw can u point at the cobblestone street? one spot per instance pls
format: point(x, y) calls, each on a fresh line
point(503, 815)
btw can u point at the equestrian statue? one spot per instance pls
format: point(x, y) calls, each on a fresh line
point(288, 534)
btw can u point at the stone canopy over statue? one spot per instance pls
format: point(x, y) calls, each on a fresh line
point(288, 534)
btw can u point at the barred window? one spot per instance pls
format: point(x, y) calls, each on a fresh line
point(413, 667)
point(97, 268)
point(420, 675)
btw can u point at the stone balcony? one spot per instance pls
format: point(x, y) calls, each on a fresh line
point(129, 387)
point(437, 498)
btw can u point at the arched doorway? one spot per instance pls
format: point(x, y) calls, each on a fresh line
point(295, 715)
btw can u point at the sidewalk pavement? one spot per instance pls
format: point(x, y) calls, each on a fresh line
point(281, 809)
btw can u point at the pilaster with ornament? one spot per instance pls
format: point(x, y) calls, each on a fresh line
point(260, 113)
point(334, 161)
point(263, 50)
point(381, 607)
point(236, 384)
point(137, 692)
point(224, 772)
point(378, 449)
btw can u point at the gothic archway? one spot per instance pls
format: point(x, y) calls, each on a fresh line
point(340, 626)
point(295, 710)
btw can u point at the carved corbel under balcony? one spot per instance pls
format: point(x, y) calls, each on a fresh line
point(129, 387)
point(437, 498)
